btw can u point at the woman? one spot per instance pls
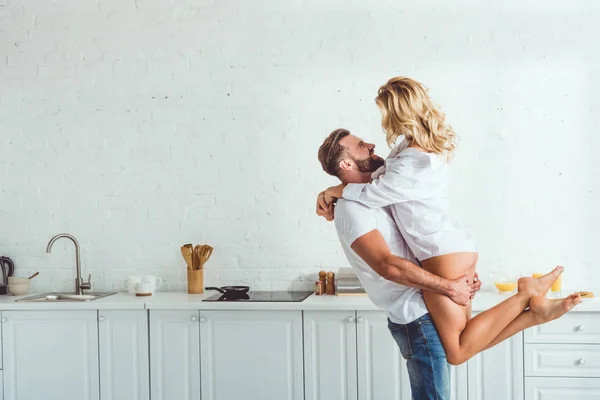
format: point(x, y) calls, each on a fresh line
point(414, 181)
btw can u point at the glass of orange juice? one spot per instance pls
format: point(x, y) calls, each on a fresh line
point(556, 286)
point(504, 282)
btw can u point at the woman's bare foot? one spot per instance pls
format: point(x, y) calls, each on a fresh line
point(539, 286)
point(546, 310)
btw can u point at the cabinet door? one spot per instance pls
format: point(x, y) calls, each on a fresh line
point(382, 372)
point(174, 355)
point(124, 368)
point(330, 355)
point(459, 388)
point(562, 388)
point(51, 355)
point(251, 355)
point(497, 373)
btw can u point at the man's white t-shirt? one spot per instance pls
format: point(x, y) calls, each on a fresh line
point(352, 220)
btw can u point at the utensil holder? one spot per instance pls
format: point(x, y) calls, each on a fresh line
point(195, 281)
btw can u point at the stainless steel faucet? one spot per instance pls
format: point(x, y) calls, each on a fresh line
point(80, 285)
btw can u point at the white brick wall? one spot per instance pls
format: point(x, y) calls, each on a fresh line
point(140, 125)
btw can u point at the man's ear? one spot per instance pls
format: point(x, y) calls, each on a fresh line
point(346, 165)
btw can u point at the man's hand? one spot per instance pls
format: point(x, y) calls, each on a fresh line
point(460, 290)
point(476, 285)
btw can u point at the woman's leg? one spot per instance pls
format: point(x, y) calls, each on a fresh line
point(463, 338)
point(541, 310)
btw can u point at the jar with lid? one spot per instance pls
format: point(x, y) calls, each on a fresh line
point(319, 288)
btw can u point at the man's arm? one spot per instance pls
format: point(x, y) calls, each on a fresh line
point(373, 249)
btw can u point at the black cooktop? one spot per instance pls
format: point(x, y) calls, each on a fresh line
point(260, 296)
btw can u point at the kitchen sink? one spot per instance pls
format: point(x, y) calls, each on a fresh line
point(64, 296)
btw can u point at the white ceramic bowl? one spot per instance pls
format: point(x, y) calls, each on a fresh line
point(13, 279)
point(18, 289)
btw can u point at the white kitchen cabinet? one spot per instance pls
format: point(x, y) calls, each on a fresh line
point(382, 372)
point(50, 355)
point(562, 389)
point(459, 382)
point(576, 327)
point(174, 355)
point(562, 358)
point(569, 360)
point(497, 373)
point(251, 355)
point(330, 355)
point(124, 367)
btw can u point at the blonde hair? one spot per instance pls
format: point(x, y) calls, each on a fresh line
point(407, 110)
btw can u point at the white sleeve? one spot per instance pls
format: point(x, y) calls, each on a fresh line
point(407, 177)
point(395, 151)
point(353, 220)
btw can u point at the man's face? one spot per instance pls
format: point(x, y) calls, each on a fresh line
point(362, 153)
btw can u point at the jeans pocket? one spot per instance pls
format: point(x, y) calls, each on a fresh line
point(400, 335)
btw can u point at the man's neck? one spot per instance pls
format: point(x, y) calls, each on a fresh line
point(357, 177)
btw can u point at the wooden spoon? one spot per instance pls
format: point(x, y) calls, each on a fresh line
point(186, 252)
point(197, 250)
point(34, 275)
point(205, 253)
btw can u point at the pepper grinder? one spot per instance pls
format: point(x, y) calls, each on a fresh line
point(322, 276)
point(330, 285)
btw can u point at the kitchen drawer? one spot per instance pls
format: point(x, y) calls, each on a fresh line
point(568, 360)
point(562, 389)
point(575, 327)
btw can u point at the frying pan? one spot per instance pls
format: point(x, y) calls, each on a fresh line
point(231, 291)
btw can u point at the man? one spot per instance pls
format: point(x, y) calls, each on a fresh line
point(387, 268)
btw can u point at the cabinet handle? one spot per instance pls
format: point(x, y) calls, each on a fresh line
point(350, 319)
point(580, 328)
point(194, 318)
point(581, 361)
point(101, 318)
point(202, 319)
point(360, 319)
point(4, 319)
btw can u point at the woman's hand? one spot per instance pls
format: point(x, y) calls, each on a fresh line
point(325, 201)
point(323, 209)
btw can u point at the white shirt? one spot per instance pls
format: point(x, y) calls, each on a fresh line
point(415, 184)
point(352, 220)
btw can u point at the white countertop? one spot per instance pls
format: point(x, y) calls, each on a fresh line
point(119, 301)
point(184, 301)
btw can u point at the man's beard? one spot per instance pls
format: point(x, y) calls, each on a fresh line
point(370, 164)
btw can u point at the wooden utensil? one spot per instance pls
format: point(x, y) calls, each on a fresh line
point(197, 250)
point(186, 252)
point(205, 253)
point(34, 275)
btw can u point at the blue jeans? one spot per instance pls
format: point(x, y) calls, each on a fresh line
point(428, 369)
